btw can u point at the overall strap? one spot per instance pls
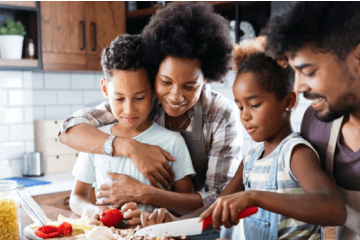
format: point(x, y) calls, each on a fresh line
point(248, 166)
point(330, 151)
point(272, 183)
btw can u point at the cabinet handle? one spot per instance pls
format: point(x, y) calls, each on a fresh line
point(83, 30)
point(94, 27)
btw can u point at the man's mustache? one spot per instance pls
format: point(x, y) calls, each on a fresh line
point(308, 95)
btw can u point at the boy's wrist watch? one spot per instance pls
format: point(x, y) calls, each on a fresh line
point(108, 148)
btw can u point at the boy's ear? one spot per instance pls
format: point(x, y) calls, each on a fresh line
point(104, 89)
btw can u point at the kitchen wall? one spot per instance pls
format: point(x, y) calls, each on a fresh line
point(27, 96)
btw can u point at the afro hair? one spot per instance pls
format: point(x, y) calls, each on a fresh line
point(327, 26)
point(188, 30)
point(274, 76)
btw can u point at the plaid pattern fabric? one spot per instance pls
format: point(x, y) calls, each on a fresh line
point(222, 132)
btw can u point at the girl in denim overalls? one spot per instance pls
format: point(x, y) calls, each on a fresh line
point(282, 175)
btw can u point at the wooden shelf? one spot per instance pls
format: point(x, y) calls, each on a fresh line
point(142, 12)
point(151, 10)
point(31, 63)
point(28, 4)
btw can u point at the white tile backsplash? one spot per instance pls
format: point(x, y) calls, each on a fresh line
point(70, 97)
point(57, 112)
point(39, 113)
point(22, 132)
point(26, 96)
point(4, 133)
point(45, 97)
point(11, 79)
point(20, 97)
point(27, 79)
point(83, 81)
point(3, 97)
point(93, 97)
point(57, 81)
point(12, 150)
point(11, 115)
point(37, 80)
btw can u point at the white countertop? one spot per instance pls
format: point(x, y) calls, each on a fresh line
point(60, 182)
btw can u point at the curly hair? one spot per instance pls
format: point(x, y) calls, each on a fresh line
point(188, 30)
point(327, 26)
point(124, 53)
point(273, 75)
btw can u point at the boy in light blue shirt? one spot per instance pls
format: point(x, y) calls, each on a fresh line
point(130, 93)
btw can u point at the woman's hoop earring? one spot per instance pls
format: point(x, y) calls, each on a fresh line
point(287, 109)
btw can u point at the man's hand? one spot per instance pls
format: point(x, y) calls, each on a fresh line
point(151, 161)
point(123, 190)
point(159, 215)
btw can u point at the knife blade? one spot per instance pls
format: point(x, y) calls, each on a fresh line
point(186, 227)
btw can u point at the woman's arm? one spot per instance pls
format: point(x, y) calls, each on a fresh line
point(320, 204)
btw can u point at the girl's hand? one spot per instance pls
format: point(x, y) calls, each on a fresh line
point(159, 215)
point(225, 209)
point(131, 214)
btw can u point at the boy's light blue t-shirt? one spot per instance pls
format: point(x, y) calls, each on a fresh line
point(91, 168)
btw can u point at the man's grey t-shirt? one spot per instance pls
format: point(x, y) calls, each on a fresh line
point(346, 162)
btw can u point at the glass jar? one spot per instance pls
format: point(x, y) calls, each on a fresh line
point(10, 225)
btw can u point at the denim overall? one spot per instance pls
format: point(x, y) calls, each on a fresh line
point(263, 224)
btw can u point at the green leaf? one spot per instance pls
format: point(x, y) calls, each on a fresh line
point(13, 28)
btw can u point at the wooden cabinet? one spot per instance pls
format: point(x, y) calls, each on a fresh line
point(62, 33)
point(105, 21)
point(74, 33)
point(30, 4)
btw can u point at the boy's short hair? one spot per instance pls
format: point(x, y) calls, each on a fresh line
point(124, 53)
point(327, 26)
point(188, 30)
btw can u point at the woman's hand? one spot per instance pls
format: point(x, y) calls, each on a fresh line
point(131, 214)
point(152, 162)
point(225, 209)
point(159, 215)
point(123, 190)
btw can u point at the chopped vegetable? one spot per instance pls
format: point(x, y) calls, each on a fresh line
point(65, 228)
point(47, 232)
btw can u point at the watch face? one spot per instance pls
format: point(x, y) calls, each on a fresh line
point(107, 149)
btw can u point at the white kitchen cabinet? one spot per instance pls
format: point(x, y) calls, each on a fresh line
point(57, 156)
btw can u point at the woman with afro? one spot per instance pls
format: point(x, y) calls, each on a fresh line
point(186, 46)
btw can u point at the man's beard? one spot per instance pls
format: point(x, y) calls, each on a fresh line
point(343, 107)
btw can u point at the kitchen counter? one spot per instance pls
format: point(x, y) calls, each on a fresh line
point(52, 213)
point(60, 182)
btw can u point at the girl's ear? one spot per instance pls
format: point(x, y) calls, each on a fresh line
point(292, 100)
point(104, 89)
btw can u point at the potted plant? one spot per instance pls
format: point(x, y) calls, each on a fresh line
point(11, 39)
